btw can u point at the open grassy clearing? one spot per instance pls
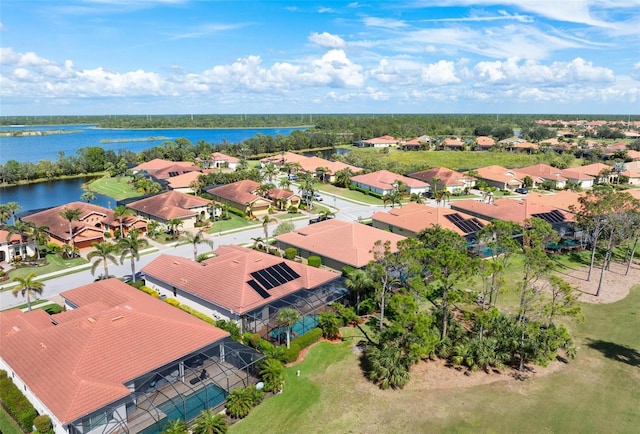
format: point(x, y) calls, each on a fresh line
point(117, 187)
point(7, 424)
point(55, 263)
point(348, 194)
point(597, 392)
point(456, 160)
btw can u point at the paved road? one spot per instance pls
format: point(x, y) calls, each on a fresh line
point(345, 210)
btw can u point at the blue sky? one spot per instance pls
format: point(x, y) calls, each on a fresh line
point(421, 56)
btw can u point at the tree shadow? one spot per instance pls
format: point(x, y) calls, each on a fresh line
point(619, 353)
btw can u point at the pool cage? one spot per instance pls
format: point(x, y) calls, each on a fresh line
point(308, 303)
point(180, 390)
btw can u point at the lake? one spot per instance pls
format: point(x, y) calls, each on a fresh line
point(73, 137)
point(49, 194)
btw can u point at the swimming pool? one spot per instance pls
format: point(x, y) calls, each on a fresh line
point(188, 407)
point(301, 326)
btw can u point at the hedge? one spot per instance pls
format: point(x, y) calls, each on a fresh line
point(314, 261)
point(197, 314)
point(291, 354)
point(16, 403)
point(152, 292)
point(291, 253)
point(237, 212)
point(42, 423)
point(172, 301)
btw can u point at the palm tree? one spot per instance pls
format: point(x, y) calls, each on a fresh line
point(264, 189)
point(21, 229)
point(13, 208)
point(27, 286)
point(270, 171)
point(417, 198)
point(343, 177)
point(195, 239)
point(104, 252)
point(272, 373)
point(71, 214)
point(174, 224)
point(284, 184)
point(176, 426)
point(120, 213)
point(257, 241)
point(308, 188)
point(326, 214)
point(239, 402)
point(70, 251)
point(265, 226)
point(288, 317)
point(88, 196)
point(40, 234)
point(5, 214)
point(131, 245)
point(208, 422)
point(358, 281)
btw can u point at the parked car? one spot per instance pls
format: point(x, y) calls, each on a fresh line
point(522, 190)
point(320, 219)
point(293, 177)
point(316, 197)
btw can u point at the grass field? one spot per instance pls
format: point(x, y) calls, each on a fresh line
point(596, 392)
point(8, 425)
point(456, 160)
point(234, 222)
point(118, 187)
point(55, 263)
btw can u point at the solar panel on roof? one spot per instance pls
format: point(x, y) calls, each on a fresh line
point(273, 272)
point(283, 271)
point(554, 216)
point(262, 280)
point(289, 270)
point(266, 275)
point(258, 289)
point(467, 226)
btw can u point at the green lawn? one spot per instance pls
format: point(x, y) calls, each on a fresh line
point(55, 263)
point(234, 222)
point(118, 187)
point(8, 425)
point(456, 160)
point(597, 392)
point(348, 194)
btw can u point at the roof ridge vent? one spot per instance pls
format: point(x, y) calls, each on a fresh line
point(91, 319)
point(117, 318)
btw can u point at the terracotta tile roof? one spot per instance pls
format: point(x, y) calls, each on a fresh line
point(633, 192)
point(457, 142)
point(572, 175)
point(515, 210)
point(92, 216)
point(384, 179)
point(223, 279)
point(634, 155)
point(499, 174)
point(162, 168)
point(238, 192)
point(445, 176)
point(168, 205)
point(543, 171)
point(346, 242)
point(309, 164)
point(485, 141)
point(115, 335)
point(381, 140)
point(219, 156)
point(15, 238)
point(415, 217)
point(184, 180)
point(591, 169)
point(279, 193)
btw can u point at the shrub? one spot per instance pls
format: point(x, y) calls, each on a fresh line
point(172, 301)
point(329, 324)
point(53, 309)
point(291, 253)
point(252, 339)
point(16, 403)
point(231, 327)
point(42, 423)
point(272, 373)
point(137, 284)
point(314, 261)
point(308, 338)
point(292, 209)
point(197, 314)
point(152, 292)
point(237, 212)
point(346, 270)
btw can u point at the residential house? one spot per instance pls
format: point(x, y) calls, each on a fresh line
point(90, 227)
point(516, 144)
point(163, 169)
point(384, 182)
point(417, 143)
point(172, 205)
point(244, 196)
point(325, 169)
point(413, 218)
point(582, 180)
point(500, 177)
point(118, 360)
point(456, 144)
point(377, 142)
point(441, 178)
point(337, 242)
point(602, 173)
point(544, 172)
point(218, 160)
point(13, 246)
point(246, 286)
point(184, 182)
point(483, 143)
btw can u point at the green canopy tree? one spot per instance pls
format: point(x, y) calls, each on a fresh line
point(28, 287)
point(88, 196)
point(383, 270)
point(358, 281)
point(272, 373)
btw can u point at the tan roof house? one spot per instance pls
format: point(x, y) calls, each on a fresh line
point(244, 285)
point(384, 182)
point(500, 177)
point(163, 169)
point(183, 182)
point(377, 142)
point(442, 178)
point(413, 218)
point(337, 242)
point(102, 365)
point(297, 163)
point(456, 144)
point(90, 227)
point(543, 172)
point(602, 173)
point(484, 143)
point(16, 245)
point(172, 205)
point(218, 160)
point(244, 196)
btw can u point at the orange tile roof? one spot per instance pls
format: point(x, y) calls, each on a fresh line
point(445, 176)
point(219, 156)
point(499, 174)
point(543, 171)
point(384, 180)
point(415, 217)
point(485, 141)
point(310, 164)
point(239, 192)
point(346, 242)
point(168, 205)
point(591, 169)
point(222, 280)
point(115, 335)
point(162, 169)
point(515, 210)
point(184, 180)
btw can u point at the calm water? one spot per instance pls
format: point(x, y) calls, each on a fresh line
point(49, 194)
point(35, 148)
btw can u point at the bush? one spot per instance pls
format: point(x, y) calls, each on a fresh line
point(274, 251)
point(16, 403)
point(252, 339)
point(172, 301)
point(291, 253)
point(303, 341)
point(231, 327)
point(152, 292)
point(346, 270)
point(42, 423)
point(314, 261)
point(137, 284)
point(292, 209)
point(237, 212)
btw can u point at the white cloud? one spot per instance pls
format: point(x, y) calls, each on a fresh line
point(440, 73)
point(387, 23)
point(327, 40)
point(635, 71)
